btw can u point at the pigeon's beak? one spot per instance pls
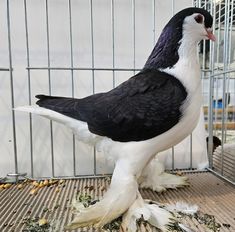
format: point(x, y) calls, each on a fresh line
point(210, 35)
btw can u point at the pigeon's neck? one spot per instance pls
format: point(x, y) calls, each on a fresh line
point(172, 46)
point(165, 53)
point(187, 68)
point(188, 50)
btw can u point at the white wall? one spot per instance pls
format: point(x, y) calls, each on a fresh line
point(61, 80)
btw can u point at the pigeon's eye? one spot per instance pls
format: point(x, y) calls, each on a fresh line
point(199, 18)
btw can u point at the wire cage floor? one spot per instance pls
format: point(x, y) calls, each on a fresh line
point(214, 196)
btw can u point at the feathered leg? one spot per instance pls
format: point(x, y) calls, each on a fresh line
point(120, 195)
point(155, 177)
point(148, 211)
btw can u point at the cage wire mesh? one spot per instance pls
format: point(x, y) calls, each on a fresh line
point(53, 47)
point(218, 73)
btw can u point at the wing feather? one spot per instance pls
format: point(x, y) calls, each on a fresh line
point(143, 107)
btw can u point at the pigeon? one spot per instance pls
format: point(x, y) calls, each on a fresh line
point(150, 112)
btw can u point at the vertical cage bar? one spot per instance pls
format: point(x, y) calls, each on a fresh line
point(49, 83)
point(229, 31)
point(173, 7)
point(191, 151)
point(225, 57)
point(199, 3)
point(217, 61)
point(154, 21)
point(204, 54)
point(211, 94)
point(12, 90)
point(133, 30)
point(72, 78)
point(93, 72)
point(113, 46)
point(173, 158)
point(172, 149)
point(29, 88)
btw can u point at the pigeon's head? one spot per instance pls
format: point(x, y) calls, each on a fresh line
point(195, 23)
point(187, 27)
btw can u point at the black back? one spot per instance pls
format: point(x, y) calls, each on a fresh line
point(146, 105)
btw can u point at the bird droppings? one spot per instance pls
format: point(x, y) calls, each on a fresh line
point(14, 211)
point(45, 210)
point(226, 225)
point(57, 206)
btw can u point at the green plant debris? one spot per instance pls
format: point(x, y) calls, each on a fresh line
point(113, 225)
point(34, 225)
point(208, 220)
point(174, 227)
point(85, 199)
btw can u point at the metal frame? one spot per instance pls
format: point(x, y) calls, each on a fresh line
point(211, 73)
point(216, 73)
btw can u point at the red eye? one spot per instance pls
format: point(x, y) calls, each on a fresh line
point(199, 18)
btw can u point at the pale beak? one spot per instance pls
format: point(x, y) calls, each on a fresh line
point(210, 35)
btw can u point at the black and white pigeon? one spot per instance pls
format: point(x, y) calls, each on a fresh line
point(152, 111)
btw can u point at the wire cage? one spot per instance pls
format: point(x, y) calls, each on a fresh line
point(47, 53)
point(218, 75)
point(75, 48)
point(216, 59)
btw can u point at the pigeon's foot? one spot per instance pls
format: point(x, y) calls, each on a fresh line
point(164, 181)
point(154, 177)
point(115, 202)
point(148, 211)
point(119, 197)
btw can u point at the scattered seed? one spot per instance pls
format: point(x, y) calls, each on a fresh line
point(20, 186)
point(42, 222)
point(46, 182)
point(6, 186)
point(41, 184)
point(102, 188)
point(34, 191)
point(57, 189)
point(35, 184)
point(61, 181)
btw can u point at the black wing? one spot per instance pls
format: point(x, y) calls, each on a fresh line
point(146, 105)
